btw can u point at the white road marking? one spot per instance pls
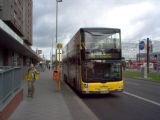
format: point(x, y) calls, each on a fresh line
point(141, 98)
point(132, 83)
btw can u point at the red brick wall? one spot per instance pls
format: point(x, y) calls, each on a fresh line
point(7, 111)
point(1, 116)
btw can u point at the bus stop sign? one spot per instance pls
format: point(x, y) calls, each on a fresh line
point(59, 46)
point(141, 45)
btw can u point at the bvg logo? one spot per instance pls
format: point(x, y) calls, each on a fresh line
point(85, 85)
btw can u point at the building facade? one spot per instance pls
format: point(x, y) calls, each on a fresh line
point(16, 20)
point(27, 18)
point(15, 52)
point(17, 14)
point(12, 14)
point(154, 55)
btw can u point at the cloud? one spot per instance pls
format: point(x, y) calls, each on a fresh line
point(149, 23)
point(136, 19)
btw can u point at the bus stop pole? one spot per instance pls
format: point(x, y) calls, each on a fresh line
point(56, 72)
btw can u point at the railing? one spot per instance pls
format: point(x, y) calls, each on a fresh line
point(10, 82)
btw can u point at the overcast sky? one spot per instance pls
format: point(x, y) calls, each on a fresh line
point(137, 19)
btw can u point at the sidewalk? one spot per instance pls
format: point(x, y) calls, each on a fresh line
point(47, 104)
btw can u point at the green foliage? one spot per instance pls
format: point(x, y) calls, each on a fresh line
point(132, 74)
point(154, 76)
point(137, 74)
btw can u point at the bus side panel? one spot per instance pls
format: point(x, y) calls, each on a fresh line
point(65, 64)
point(72, 61)
point(64, 71)
point(77, 72)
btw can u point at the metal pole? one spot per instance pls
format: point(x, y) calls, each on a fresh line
point(147, 55)
point(51, 57)
point(56, 29)
point(139, 52)
point(56, 22)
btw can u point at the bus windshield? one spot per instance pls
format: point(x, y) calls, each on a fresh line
point(101, 71)
point(99, 44)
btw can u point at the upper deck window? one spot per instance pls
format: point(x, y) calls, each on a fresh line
point(101, 40)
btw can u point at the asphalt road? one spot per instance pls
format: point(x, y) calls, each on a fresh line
point(139, 101)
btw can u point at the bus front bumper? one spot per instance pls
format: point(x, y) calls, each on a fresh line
point(102, 88)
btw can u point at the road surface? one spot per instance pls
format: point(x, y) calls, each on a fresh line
point(139, 101)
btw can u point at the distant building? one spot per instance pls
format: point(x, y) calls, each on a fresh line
point(156, 46)
point(129, 50)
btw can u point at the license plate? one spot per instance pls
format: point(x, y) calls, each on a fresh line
point(105, 91)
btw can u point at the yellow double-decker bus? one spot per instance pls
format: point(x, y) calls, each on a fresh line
point(92, 61)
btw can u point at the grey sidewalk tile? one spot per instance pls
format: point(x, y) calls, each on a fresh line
point(47, 104)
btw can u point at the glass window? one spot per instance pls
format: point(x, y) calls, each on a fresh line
point(102, 45)
point(100, 70)
point(96, 40)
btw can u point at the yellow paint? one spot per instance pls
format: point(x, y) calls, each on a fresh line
point(58, 82)
point(100, 87)
point(28, 75)
point(59, 45)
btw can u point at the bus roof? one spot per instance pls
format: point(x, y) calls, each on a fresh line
point(102, 30)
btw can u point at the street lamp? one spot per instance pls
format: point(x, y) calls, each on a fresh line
point(57, 26)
